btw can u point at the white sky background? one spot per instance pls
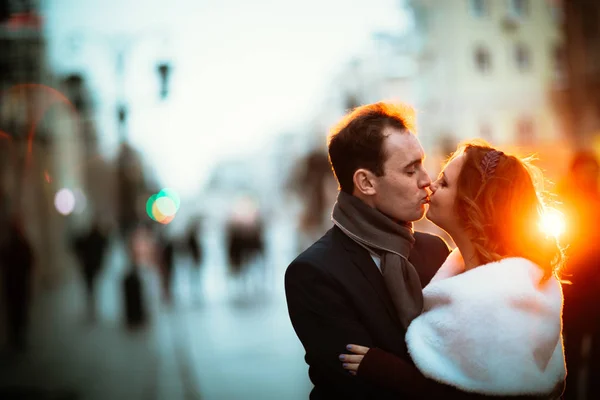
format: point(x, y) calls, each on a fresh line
point(242, 70)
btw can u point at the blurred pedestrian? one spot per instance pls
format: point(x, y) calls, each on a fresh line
point(245, 242)
point(90, 249)
point(315, 185)
point(139, 254)
point(193, 246)
point(17, 261)
point(167, 267)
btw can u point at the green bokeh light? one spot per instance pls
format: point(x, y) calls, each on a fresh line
point(151, 203)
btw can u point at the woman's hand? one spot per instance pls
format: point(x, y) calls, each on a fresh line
point(352, 361)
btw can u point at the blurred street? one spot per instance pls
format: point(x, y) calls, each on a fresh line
point(210, 346)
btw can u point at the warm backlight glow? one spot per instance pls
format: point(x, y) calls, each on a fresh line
point(553, 223)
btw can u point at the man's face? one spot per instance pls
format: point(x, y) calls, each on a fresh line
point(401, 192)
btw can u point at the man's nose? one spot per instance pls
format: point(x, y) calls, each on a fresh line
point(426, 181)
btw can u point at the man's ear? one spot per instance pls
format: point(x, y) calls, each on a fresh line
point(364, 182)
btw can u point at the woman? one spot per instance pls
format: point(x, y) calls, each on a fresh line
point(491, 323)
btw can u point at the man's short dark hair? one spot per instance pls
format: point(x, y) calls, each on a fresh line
point(357, 140)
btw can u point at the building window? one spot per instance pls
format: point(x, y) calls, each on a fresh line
point(519, 8)
point(479, 8)
point(523, 57)
point(483, 59)
point(525, 131)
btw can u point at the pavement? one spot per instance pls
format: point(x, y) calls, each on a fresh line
point(218, 340)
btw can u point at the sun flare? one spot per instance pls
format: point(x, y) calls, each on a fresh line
point(553, 223)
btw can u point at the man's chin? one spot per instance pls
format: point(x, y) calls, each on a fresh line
point(419, 216)
point(429, 218)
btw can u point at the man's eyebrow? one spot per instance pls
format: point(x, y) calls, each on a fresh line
point(414, 163)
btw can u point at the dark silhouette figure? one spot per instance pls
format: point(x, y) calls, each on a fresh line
point(131, 182)
point(235, 248)
point(167, 267)
point(135, 310)
point(244, 242)
point(193, 246)
point(90, 249)
point(310, 183)
point(17, 260)
point(580, 196)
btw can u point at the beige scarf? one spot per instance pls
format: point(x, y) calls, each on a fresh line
point(392, 241)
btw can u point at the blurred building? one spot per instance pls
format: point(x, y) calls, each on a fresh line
point(577, 99)
point(259, 176)
point(485, 70)
point(471, 68)
point(39, 153)
point(386, 69)
point(97, 175)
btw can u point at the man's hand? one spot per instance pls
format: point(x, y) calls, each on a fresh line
point(352, 361)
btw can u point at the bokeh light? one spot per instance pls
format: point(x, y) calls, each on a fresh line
point(170, 193)
point(64, 201)
point(163, 206)
point(150, 206)
point(553, 222)
point(166, 206)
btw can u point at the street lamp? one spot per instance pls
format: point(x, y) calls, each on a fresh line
point(164, 69)
point(121, 45)
point(129, 181)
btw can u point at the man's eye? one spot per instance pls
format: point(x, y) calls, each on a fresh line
point(410, 173)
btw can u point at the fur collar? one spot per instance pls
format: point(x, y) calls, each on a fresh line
point(491, 330)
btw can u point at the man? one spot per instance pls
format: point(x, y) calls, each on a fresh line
point(362, 281)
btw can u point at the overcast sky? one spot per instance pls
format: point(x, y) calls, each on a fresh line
point(242, 70)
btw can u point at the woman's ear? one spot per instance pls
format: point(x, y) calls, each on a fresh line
point(364, 182)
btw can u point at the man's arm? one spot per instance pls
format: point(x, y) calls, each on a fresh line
point(386, 370)
point(325, 323)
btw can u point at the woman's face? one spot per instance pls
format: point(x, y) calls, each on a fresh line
point(443, 195)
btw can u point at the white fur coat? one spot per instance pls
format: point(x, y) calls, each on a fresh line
point(491, 330)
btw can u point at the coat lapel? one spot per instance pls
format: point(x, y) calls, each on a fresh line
point(361, 258)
